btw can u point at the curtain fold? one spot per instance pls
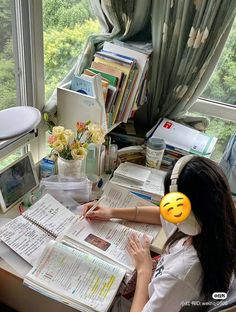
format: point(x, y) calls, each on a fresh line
point(188, 38)
point(122, 19)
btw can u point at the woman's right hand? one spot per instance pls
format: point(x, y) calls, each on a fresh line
point(99, 213)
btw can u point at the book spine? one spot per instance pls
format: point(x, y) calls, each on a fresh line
point(128, 90)
point(117, 56)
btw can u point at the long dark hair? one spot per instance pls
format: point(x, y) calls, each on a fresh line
point(205, 184)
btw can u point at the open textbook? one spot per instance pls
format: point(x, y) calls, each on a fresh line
point(108, 239)
point(75, 278)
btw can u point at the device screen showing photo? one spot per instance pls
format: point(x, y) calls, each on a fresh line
point(16, 181)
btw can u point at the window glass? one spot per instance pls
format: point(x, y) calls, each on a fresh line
point(222, 85)
point(11, 158)
point(7, 63)
point(223, 130)
point(220, 128)
point(67, 24)
point(222, 88)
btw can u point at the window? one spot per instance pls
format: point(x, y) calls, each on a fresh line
point(222, 85)
point(218, 101)
point(18, 67)
point(66, 26)
point(7, 61)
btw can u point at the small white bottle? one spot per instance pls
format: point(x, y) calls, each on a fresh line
point(113, 156)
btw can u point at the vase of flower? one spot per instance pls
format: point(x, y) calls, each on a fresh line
point(72, 148)
point(74, 168)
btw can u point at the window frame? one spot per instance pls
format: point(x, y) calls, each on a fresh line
point(27, 32)
point(214, 109)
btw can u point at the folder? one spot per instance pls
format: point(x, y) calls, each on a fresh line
point(73, 106)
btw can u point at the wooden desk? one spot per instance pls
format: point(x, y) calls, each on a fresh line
point(23, 299)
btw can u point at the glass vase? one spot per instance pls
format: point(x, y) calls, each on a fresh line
point(74, 168)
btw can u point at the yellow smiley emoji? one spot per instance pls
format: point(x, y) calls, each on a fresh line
point(175, 207)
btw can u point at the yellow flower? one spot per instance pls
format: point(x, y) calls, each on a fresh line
point(97, 137)
point(75, 145)
point(68, 133)
point(97, 133)
point(57, 130)
point(63, 138)
point(58, 146)
point(79, 153)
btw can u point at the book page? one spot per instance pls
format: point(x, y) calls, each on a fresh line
point(50, 214)
point(76, 276)
point(106, 239)
point(25, 238)
point(117, 197)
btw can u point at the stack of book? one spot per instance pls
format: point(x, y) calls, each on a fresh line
point(142, 181)
point(124, 79)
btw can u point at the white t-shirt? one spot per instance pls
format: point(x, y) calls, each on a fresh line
point(177, 278)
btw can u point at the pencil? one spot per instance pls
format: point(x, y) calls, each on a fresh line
point(92, 208)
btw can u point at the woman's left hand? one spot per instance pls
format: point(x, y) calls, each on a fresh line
point(140, 253)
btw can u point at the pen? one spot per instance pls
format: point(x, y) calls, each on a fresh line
point(92, 208)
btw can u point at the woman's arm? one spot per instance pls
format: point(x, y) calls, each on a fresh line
point(144, 214)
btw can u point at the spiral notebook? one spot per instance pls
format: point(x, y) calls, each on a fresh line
point(28, 234)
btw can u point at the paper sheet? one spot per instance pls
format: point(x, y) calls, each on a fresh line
point(16, 262)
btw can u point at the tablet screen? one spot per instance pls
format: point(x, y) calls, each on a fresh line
point(17, 179)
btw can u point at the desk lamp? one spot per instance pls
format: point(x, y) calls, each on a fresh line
point(17, 121)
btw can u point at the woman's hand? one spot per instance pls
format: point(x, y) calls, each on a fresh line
point(99, 213)
point(140, 253)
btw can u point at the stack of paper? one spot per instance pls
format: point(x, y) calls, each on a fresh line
point(183, 138)
point(152, 188)
point(130, 172)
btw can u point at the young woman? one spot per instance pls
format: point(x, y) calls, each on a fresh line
point(191, 268)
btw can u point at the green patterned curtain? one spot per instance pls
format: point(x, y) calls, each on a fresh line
point(188, 37)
